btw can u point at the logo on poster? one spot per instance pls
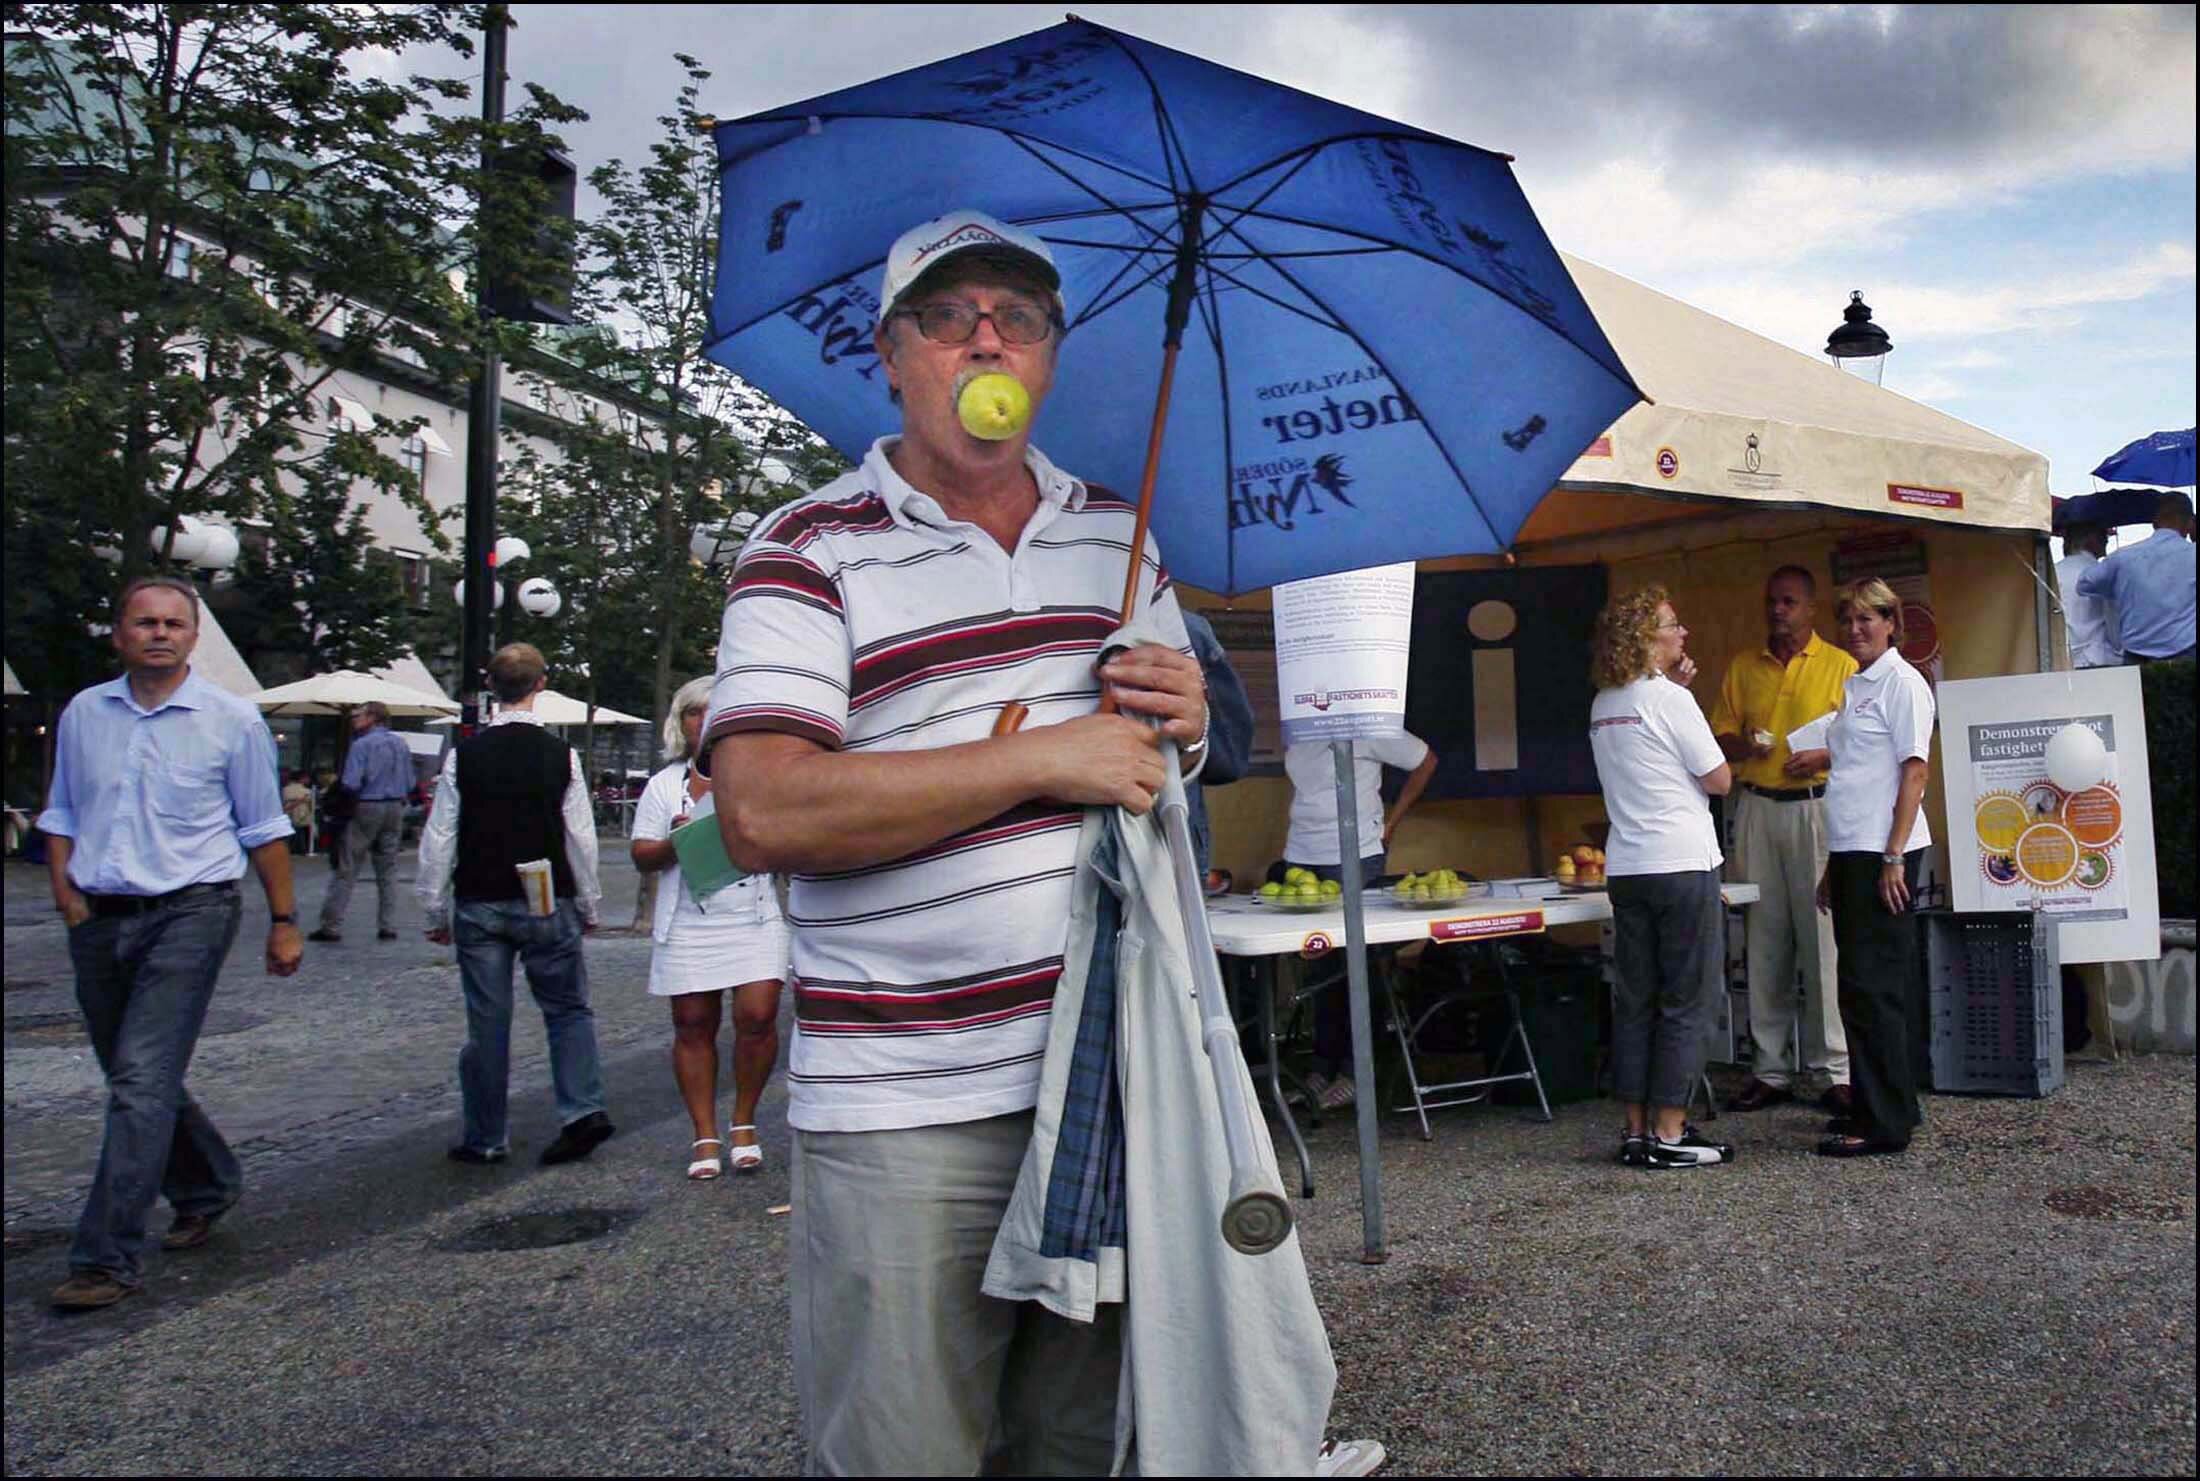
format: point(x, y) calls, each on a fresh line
point(1669, 463)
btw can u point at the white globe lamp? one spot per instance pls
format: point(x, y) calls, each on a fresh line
point(539, 598)
point(511, 550)
point(496, 593)
point(221, 549)
point(189, 542)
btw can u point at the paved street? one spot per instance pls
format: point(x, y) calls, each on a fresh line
point(2016, 1295)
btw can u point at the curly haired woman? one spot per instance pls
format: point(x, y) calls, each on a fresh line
point(1658, 763)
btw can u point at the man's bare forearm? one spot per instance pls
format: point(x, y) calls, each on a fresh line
point(271, 861)
point(783, 804)
point(65, 892)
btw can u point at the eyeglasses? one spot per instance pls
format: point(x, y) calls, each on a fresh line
point(950, 321)
point(1668, 627)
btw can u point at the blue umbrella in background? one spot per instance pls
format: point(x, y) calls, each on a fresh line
point(1360, 342)
point(2162, 458)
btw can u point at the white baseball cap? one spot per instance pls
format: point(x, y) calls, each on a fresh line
point(926, 246)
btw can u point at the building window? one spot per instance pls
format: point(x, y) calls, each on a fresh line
point(412, 574)
point(415, 456)
point(539, 393)
point(180, 249)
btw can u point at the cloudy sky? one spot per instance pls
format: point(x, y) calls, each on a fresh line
point(2012, 188)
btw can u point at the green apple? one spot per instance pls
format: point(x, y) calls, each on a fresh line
point(1270, 891)
point(994, 406)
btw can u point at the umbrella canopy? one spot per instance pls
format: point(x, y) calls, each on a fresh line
point(1385, 358)
point(2111, 507)
point(344, 691)
point(553, 708)
point(2163, 458)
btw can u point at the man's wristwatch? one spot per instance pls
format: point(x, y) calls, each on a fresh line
point(1890, 858)
point(287, 918)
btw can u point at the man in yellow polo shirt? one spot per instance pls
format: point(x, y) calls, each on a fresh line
point(1780, 839)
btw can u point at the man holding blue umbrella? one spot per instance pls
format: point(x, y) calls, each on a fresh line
point(873, 633)
point(2151, 585)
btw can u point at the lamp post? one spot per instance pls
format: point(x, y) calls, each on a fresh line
point(1857, 345)
point(534, 595)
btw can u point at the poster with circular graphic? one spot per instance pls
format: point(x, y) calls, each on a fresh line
point(2038, 846)
point(2082, 849)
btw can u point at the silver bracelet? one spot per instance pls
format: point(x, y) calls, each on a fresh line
point(1206, 721)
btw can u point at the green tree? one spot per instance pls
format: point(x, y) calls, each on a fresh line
point(636, 490)
point(313, 595)
point(210, 212)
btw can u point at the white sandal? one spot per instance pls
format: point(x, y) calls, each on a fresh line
point(703, 1169)
point(745, 1159)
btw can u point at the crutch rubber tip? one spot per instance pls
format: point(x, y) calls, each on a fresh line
point(1255, 1223)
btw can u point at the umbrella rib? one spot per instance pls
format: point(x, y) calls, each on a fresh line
point(1435, 441)
point(1318, 145)
point(1625, 377)
point(1210, 316)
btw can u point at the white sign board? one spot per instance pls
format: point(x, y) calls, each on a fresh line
point(1342, 643)
point(2019, 839)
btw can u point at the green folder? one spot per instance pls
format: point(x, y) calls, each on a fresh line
point(702, 854)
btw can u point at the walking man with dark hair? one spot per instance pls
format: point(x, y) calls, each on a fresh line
point(512, 795)
point(379, 772)
point(163, 785)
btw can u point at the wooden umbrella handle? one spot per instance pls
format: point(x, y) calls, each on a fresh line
point(1011, 718)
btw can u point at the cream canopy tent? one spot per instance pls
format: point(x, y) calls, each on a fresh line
point(1736, 417)
point(553, 708)
point(1752, 456)
point(344, 691)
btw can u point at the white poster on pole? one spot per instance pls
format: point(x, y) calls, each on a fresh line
point(1342, 644)
point(2079, 844)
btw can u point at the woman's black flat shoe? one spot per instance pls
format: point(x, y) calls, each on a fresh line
point(1856, 1146)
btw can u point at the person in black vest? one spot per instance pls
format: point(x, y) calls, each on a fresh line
point(510, 795)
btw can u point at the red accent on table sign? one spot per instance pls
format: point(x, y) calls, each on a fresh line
point(1601, 448)
point(1482, 927)
point(1902, 493)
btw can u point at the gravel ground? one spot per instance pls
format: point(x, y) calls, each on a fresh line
point(2016, 1295)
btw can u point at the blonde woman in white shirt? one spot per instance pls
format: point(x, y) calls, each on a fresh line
point(736, 939)
point(1876, 837)
point(1659, 765)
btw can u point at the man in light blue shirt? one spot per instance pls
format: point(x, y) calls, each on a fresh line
point(379, 772)
point(2151, 584)
point(162, 786)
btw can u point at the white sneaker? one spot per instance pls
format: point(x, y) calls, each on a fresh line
point(1350, 1458)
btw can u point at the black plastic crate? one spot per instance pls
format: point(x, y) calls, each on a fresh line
point(1993, 981)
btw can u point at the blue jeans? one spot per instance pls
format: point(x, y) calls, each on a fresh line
point(488, 934)
point(144, 982)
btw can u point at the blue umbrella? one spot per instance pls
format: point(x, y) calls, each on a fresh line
point(1376, 354)
point(2161, 458)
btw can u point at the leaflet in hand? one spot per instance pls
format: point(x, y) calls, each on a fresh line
point(701, 850)
point(1811, 737)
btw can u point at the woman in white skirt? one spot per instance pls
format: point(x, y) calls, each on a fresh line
point(735, 939)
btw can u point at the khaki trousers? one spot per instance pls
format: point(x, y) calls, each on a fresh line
point(902, 1366)
point(1780, 847)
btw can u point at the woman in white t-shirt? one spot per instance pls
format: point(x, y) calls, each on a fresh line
point(1658, 764)
point(1876, 837)
point(736, 939)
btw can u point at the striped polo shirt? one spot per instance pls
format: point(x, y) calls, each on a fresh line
point(865, 618)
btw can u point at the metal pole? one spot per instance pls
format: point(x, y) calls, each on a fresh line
point(484, 409)
point(1365, 1110)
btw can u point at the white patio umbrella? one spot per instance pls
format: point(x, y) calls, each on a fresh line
point(553, 708)
point(344, 691)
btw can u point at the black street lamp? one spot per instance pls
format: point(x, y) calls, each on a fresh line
point(1858, 345)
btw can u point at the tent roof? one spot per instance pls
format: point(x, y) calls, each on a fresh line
point(553, 708)
point(14, 685)
point(1738, 417)
point(216, 658)
point(407, 669)
point(346, 689)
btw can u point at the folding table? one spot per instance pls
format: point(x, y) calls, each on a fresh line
point(1244, 927)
